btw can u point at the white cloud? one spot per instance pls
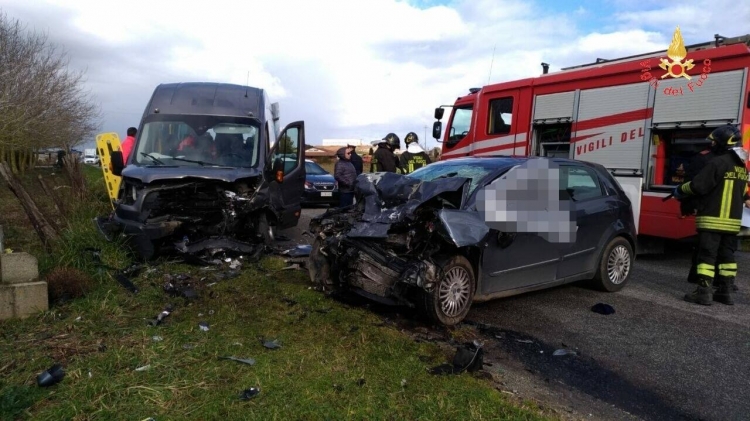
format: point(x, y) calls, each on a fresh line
point(350, 69)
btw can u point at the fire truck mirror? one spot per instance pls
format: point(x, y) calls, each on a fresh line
point(437, 128)
point(439, 113)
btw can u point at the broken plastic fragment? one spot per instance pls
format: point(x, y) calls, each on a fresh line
point(166, 312)
point(203, 326)
point(248, 361)
point(274, 344)
point(248, 394)
point(143, 368)
point(561, 352)
point(51, 376)
point(469, 357)
point(157, 338)
point(299, 251)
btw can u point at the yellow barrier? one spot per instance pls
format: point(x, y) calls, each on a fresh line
point(107, 143)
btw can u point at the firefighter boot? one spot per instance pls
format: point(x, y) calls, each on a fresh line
point(703, 293)
point(723, 293)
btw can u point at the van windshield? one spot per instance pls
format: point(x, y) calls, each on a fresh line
point(193, 140)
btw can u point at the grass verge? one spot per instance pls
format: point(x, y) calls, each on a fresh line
point(335, 361)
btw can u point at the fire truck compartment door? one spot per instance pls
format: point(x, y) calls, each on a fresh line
point(633, 187)
point(715, 97)
point(554, 107)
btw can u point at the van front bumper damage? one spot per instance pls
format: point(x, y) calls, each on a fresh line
point(389, 246)
point(191, 216)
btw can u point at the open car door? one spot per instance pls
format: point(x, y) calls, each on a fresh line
point(287, 184)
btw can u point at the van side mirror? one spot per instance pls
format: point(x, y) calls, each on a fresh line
point(116, 164)
point(437, 129)
point(439, 113)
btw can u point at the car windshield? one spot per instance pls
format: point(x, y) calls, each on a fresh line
point(312, 168)
point(191, 140)
point(475, 171)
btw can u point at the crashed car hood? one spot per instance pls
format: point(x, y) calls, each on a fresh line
point(149, 174)
point(392, 198)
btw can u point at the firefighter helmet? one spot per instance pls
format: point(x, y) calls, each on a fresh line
point(392, 140)
point(725, 137)
point(411, 137)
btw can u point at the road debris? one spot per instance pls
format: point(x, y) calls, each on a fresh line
point(274, 344)
point(563, 352)
point(248, 361)
point(203, 326)
point(248, 394)
point(602, 308)
point(302, 250)
point(51, 376)
point(469, 357)
point(163, 315)
point(143, 368)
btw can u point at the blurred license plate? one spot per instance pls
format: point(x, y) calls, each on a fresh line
point(326, 194)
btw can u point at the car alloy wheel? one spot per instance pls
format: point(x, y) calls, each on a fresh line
point(618, 264)
point(454, 292)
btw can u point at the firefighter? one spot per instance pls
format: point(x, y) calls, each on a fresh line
point(386, 159)
point(721, 187)
point(689, 205)
point(414, 157)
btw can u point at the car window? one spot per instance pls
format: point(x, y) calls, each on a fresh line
point(580, 183)
point(312, 168)
point(476, 172)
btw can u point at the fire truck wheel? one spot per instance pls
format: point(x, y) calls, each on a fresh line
point(450, 300)
point(615, 265)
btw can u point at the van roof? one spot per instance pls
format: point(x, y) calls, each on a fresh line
point(207, 98)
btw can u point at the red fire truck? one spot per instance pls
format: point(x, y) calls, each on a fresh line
point(642, 117)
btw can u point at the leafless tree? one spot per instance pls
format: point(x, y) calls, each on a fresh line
point(43, 103)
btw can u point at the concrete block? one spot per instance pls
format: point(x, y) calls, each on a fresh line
point(16, 268)
point(21, 300)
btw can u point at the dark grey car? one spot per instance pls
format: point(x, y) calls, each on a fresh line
point(473, 229)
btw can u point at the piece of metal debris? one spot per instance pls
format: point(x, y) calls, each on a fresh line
point(302, 250)
point(51, 376)
point(274, 344)
point(248, 361)
point(248, 394)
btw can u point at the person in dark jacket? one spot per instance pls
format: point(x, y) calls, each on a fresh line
point(722, 189)
point(386, 159)
point(414, 157)
point(689, 205)
point(345, 175)
point(356, 159)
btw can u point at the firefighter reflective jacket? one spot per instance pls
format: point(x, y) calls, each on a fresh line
point(721, 188)
point(411, 161)
point(386, 160)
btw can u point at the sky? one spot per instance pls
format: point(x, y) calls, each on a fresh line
point(355, 69)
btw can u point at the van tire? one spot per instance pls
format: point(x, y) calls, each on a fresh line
point(266, 230)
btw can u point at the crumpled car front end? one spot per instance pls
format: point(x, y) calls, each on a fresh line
point(391, 246)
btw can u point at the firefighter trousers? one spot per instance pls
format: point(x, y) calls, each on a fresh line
point(716, 255)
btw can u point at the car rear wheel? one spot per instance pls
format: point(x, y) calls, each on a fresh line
point(615, 265)
point(450, 300)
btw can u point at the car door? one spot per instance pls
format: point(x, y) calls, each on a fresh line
point(287, 183)
point(513, 260)
point(595, 211)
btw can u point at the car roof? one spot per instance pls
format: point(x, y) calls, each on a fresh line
point(502, 161)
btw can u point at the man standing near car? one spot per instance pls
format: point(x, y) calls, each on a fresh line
point(689, 205)
point(127, 144)
point(722, 190)
point(386, 159)
point(414, 157)
point(345, 175)
point(356, 159)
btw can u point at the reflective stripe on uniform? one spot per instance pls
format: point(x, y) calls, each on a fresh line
point(728, 269)
point(705, 269)
point(726, 199)
point(718, 224)
point(686, 188)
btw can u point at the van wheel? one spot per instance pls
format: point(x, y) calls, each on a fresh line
point(450, 300)
point(615, 266)
point(266, 230)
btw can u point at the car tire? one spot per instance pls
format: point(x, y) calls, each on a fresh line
point(615, 266)
point(266, 230)
point(450, 300)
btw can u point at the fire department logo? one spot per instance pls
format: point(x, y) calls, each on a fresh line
point(677, 52)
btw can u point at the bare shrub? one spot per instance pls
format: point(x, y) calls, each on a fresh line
point(66, 283)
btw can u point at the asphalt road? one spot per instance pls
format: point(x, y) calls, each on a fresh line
point(656, 358)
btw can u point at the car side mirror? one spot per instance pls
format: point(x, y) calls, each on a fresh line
point(116, 164)
point(437, 129)
point(439, 113)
